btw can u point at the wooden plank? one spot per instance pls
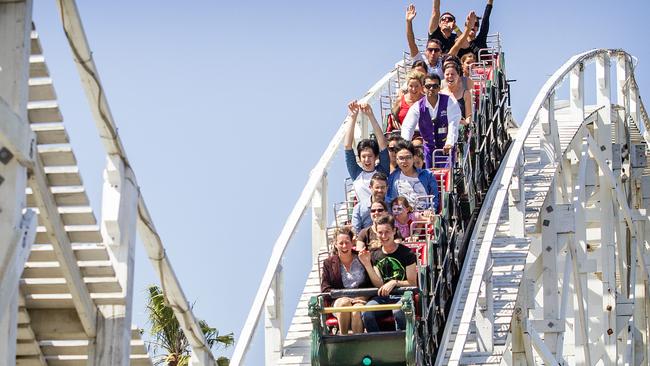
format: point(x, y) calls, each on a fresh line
point(61, 244)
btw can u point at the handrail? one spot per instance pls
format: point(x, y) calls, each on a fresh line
point(292, 222)
point(496, 194)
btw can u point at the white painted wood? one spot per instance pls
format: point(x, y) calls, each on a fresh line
point(12, 266)
point(517, 200)
point(548, 124)
point(578, 256)
point(484, 317)
point(56, 234)
point(274, 320)
point(550, 250)
point(15, 28)
point(16, 135)
point(319, 217)
point(577, 92)
point(119, 213)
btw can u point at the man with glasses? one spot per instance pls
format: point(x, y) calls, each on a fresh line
point(437, 116)
point(432, 53)
point(441, 27)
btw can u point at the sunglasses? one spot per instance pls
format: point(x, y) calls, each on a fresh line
point(432, 86)
point(375, 210)
point(434, 49)
point(398, 209)
point(392, 149)
point(447, 19)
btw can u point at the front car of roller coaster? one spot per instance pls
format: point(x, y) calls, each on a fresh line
point(440, 247)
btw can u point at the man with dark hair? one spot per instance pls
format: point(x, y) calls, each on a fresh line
point(472, 40)
point(432, 53)
point(396, 265)
point(361, 213)
point(437, 116)
point(441, 27)
point(367, 151)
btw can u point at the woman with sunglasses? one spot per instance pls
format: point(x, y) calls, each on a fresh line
point(367, 238)
point(344, 269)
point(437, 117)
point(409, 181)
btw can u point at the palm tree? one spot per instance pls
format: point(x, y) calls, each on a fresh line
point(168, 336)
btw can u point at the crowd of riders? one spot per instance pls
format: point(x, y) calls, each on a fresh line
point(392, 174)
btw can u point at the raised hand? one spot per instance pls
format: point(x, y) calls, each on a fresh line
point(410, 12)
point(365, 109)
point(364, 258)
point(353, 108)
point(471, 20)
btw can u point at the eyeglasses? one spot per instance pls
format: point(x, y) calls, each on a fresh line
point(404, 157)
point(432, 86)
point(447, 19)
point(398, 209)
point(375, 210)
point(432, 49)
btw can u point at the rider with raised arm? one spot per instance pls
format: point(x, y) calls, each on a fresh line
point(441, 27)
point(472, 40)
point(432, 53)
point(367, 150)
point(437, 117)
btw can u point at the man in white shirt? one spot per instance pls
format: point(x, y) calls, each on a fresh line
point(432, 53)
point(437, 117)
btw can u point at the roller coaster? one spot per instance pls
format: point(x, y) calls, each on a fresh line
point(539, 254)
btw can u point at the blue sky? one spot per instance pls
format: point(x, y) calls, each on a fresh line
point(224, 108)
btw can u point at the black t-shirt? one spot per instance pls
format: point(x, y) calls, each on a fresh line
point(447, 43)
point(393, 266)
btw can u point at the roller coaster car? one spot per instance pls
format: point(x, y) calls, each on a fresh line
point(387, 347)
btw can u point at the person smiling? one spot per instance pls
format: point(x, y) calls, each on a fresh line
point(395, 265)
point(409, 181)
point(344, 269)
point(437, 117)
point(367, 151)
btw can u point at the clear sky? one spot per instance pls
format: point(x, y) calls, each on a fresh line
point(224, 107)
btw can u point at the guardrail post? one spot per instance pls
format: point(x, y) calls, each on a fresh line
point(548, 124)
point(517, 200)
point(319, 217)
point(274, 319)
point(484, 316)
point(577, 92)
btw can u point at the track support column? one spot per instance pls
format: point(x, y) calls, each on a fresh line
point(274, 320)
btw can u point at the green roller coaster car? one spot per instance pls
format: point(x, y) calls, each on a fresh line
point(386, 348)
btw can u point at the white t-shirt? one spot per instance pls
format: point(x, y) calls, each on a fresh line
point(362, 187)
point(411, 188)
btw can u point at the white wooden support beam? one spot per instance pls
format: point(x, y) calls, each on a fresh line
point(274, 320)
point(577, 249)
point(602, 129)
point(12, 267)
point(517, 200)
point(484, 317)
point(549, 144)
point(564, 303)
point(15, 44)
point(550, 254)
point(319, 218)
point(119, 213)
point(541, 346)
point(577, 92)
point(58, 237)
point(16, 135)
point(622, 91)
